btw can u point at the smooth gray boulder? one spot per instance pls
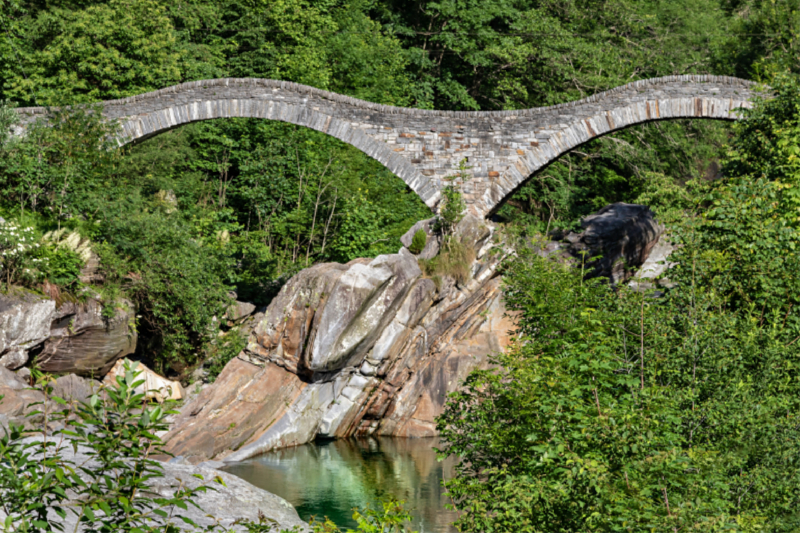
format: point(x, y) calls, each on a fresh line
point(235, 499)
point(24, 323)
point(363, 299)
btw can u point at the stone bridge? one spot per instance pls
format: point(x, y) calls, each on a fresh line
point(424, 148)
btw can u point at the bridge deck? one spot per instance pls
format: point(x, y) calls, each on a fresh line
point(424, 147)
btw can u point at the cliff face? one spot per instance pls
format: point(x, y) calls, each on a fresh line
point(72, 337)
point(370, 347)
point(374, 347)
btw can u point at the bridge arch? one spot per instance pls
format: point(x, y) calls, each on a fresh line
point(584, 129)
point(424, 147)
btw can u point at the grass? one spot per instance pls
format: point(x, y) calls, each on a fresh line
point(454, 260)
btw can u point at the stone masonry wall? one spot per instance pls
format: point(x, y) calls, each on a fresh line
point(424, 147)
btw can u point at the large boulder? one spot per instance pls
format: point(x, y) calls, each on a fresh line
point(615, 241)
point(84, 342)
point(364, 299)
point(336, 349)
point(374, 347)
point(238, 311)
point(230, 500)
point(283, 335)
point(24, 323)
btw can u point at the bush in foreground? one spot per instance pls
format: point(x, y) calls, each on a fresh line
point(112, 491)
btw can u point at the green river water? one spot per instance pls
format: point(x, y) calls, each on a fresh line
point(330, 478)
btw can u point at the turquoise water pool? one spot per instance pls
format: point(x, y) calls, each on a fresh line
point(329, 478)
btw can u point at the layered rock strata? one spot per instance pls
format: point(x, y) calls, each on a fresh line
point(370, 347)
point(73, 337)
point(373, 347)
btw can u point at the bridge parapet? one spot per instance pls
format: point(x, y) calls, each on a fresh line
point(424, 147)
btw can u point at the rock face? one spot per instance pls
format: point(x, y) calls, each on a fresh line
point(373, 347)
point(71, 338)
point(616, 240)
point(17, 398)
point(370, 347)
point(24, 323)
point(83, 342)
point(73, 388)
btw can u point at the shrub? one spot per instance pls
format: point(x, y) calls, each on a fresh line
point(61, 266)
point(455, 260)
point(618, 411)
point(109, 494)
point(176, 283)
point(419, 241)
point(622, 412)
point(452, 210)
point(18, 253)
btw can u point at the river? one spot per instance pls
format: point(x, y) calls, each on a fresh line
point(330, 478)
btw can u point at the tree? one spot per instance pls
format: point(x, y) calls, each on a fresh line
point(105, 51)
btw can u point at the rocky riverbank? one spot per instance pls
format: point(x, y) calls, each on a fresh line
point(374, 347)
point(371, 347)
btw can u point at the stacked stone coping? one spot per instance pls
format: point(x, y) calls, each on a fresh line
point(511, 145)
point(383, 108)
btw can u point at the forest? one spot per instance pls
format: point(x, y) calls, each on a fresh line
point(571, 432)
point(243, 204)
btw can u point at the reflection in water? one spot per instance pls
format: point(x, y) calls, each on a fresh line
point(330, 478)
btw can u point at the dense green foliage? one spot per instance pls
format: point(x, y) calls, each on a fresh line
point(185, 217)
point(620, 411)
point(117, 435)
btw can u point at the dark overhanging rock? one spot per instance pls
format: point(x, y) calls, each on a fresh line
point(82, 341)
point(615, 241)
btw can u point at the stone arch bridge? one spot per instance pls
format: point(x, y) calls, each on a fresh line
point(423, 147)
